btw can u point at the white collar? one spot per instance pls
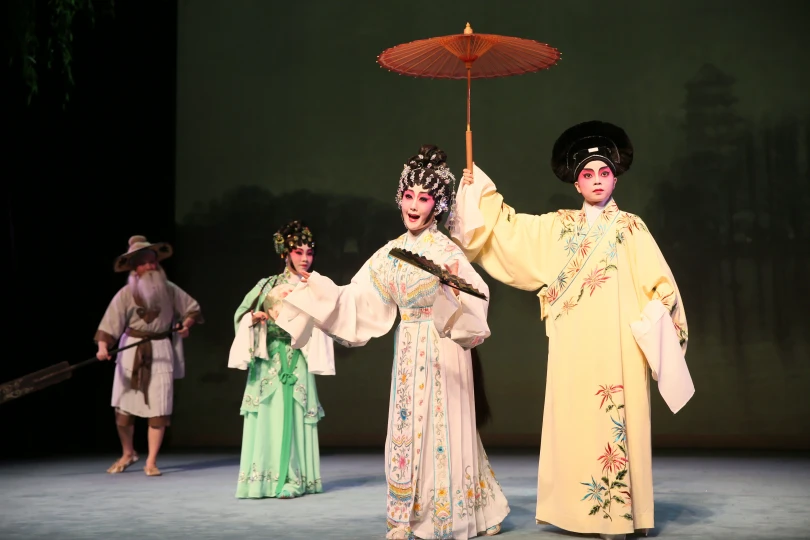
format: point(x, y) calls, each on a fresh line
point(416, 237)
point(593, 211)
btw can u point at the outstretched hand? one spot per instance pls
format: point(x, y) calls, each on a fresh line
point(304, 275)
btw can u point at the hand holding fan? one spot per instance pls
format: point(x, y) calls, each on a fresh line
point(432, 268)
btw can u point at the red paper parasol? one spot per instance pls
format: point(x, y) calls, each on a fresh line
point(470, 56)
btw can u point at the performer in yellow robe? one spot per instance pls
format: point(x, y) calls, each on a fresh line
point(612, 308)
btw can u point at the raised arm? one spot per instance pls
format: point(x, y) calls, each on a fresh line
point(510, 247)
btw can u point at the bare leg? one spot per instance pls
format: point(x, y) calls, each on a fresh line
point(126, 431)
point(126, 434)
point(155, 440)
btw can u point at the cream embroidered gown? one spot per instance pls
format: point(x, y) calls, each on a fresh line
point(440, 483)
point(595, 281)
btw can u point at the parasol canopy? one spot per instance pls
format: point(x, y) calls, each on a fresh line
point(469, 56)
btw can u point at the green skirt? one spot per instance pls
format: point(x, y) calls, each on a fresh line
point(280, 454)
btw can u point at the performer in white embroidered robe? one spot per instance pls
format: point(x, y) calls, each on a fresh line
point(611, 307)
point(440, 483)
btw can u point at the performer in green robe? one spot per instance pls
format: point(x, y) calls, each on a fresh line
point(280, 455)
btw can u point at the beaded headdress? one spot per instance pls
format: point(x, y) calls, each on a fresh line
point(291, 235)
point(428, 169)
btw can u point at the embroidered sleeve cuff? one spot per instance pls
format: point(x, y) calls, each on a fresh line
point(658, 340)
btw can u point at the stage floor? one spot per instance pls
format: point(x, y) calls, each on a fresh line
point(704, 496)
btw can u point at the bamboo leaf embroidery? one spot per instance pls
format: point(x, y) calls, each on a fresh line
point(614, 461)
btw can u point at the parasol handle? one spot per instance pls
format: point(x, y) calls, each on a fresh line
point(469, 120)
point(469, 150)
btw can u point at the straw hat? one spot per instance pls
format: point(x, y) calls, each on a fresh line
point(139, 244)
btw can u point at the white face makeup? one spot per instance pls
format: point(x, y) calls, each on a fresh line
point(596, 183)
point(300, 259)
point(417, 208)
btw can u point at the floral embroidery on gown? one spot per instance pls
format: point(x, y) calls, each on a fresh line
point(440, 482)
point(280, 453)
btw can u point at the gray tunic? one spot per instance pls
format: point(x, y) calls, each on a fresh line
point(127, 311)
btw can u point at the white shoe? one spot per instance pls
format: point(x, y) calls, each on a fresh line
point(612, 536)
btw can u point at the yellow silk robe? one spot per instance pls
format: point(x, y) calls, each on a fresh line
point(594, 281)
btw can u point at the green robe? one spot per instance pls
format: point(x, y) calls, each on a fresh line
point(280, 455)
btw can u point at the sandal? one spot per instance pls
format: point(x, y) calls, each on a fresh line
point(152, 471)
point(122, 464)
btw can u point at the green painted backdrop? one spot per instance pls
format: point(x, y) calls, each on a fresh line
point(282, 113)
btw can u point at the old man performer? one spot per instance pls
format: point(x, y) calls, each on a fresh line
point(148, 306)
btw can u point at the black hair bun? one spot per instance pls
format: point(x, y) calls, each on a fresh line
point(430, 156)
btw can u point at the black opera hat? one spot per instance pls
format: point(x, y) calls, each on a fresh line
point(589, 141)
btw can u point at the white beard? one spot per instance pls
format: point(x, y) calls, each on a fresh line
point(152, 288)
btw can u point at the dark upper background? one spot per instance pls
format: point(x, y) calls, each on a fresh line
point(209, 126)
